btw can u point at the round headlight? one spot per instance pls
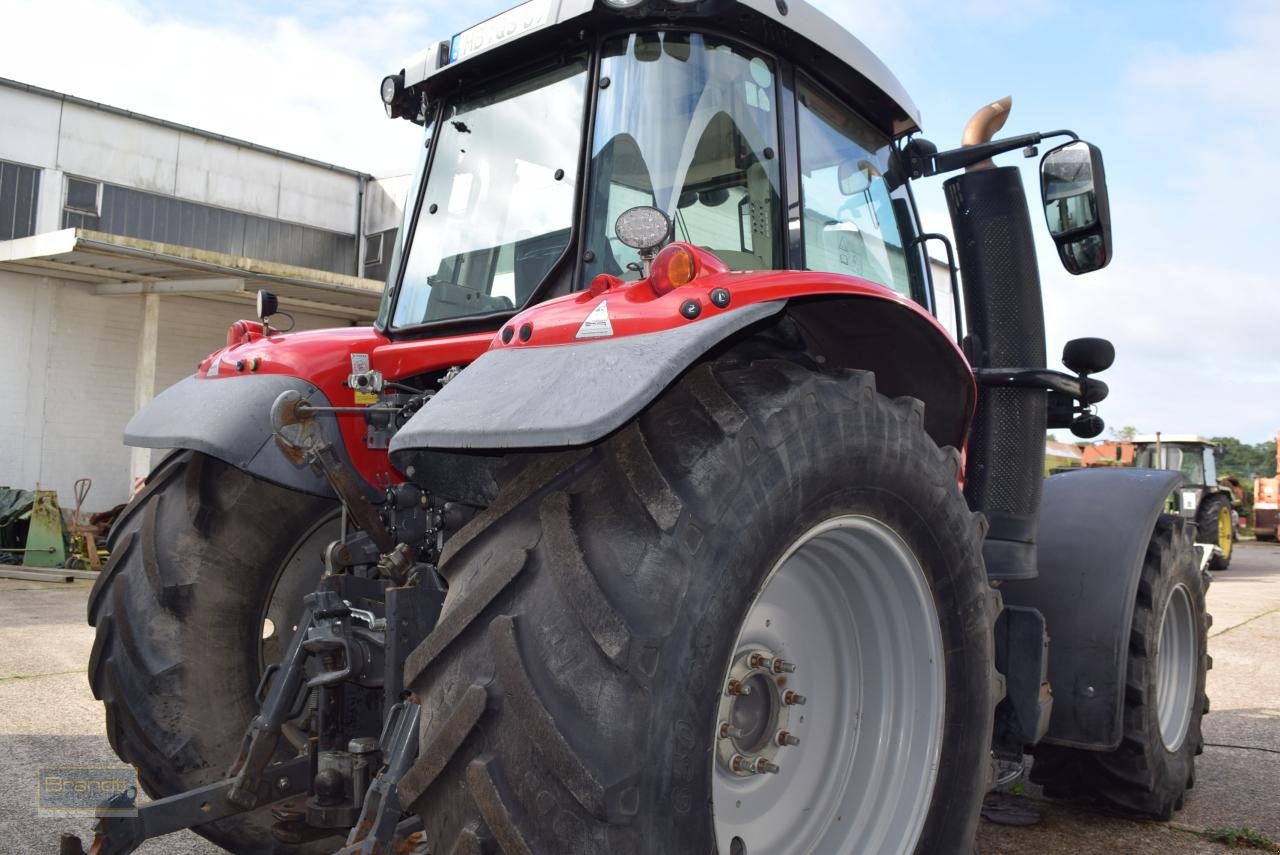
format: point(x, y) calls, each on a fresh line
point(623, 4)
point(391, 85)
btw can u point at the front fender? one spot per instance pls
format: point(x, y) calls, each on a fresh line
point(1094, 528)
point(230, 419)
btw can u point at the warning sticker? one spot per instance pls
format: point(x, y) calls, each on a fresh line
point(597, 323)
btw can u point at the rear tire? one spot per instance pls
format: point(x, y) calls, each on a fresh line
point(1154, 765)
point(179, 611)
point(570, 689)
point(1213, 526)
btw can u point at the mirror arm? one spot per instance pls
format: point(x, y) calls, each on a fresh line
point(1069, 401)
point(924, 163)
point(1082, 388)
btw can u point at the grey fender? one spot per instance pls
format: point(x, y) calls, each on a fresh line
point(574, 394)
point(1092, 538)
point(230, 419)
point(558, 395)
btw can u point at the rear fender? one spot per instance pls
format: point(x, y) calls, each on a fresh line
point(229, 419)
point(566, 394)
point(549, 386)
point(1092, 538)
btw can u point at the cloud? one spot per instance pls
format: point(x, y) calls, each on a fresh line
point(1190, 299)
point(301, 79)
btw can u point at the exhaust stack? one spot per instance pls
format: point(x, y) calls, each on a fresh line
point(1005, 329)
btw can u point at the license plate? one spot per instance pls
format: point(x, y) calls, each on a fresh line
point(509, 25)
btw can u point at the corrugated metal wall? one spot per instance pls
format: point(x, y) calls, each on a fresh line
point(19, 190)
point(151, 216)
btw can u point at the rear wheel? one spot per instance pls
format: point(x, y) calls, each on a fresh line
point(1164, 700)
point(612, 671)
point(1213, 526)
point(207, 572)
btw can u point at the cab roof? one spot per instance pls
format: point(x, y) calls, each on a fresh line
point(1173, 439)
point(799, 18)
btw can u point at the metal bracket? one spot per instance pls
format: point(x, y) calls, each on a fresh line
point(379, 825)
point(294, 424)
point(120, 835)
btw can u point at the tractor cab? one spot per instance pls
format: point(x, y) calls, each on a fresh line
point(1194, 456)
point(1212, 506)
point(769, 154)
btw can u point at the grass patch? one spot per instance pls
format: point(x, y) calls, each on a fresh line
point(1242, 837)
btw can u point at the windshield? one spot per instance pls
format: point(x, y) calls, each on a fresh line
point(1187, 460)
point(685, 123)
point(498, 206)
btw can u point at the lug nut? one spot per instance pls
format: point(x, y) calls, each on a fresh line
point(763, 766)
point(740, 763)
point(785, 738)
point(735, 687)
point(793, 698)
point(782, 666)
point(282, 784)
point(757, 660)
point(728, 731)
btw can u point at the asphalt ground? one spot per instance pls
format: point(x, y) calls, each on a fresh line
point(49, 717)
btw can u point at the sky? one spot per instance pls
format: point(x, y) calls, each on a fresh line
point(1181, 97)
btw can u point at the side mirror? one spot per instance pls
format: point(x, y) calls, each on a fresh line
point(1088, 355)
point(1073, 186)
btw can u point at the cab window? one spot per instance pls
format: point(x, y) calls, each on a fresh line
point(687, 124)
point(857, 220)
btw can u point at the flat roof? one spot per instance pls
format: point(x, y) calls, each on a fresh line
point(123, 266)
point(176, 126)
point(1174, 437)
point(798, 16)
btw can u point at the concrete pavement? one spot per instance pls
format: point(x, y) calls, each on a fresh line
point(48, 716)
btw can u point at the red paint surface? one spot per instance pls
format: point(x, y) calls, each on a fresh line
point(634, 308)
point(323, 357)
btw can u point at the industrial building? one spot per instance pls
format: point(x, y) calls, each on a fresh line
point(128, 244)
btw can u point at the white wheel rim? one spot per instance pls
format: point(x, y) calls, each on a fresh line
point(1176, 659)
point(850, 606)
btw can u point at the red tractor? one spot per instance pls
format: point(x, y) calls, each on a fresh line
point(657, 512)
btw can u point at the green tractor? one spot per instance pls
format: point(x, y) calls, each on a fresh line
point(1200, 498)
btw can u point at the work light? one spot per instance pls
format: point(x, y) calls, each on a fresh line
point(268, 304)
point(392, 85)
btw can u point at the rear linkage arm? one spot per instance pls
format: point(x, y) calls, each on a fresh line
point(293, 421)
point(120, 829)
point(255, 781)
point(324, 626)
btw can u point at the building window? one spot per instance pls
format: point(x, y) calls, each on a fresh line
point(83, 196)
point(373, 249)
point(19, 192)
